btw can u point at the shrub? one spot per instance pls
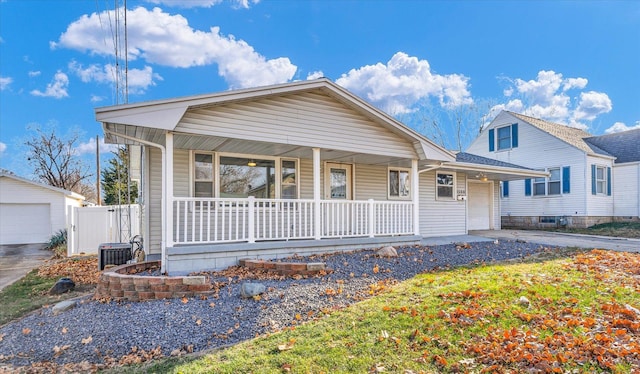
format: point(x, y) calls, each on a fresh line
point(58, 239)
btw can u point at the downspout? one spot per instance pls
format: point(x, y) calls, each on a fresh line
point(163, 150)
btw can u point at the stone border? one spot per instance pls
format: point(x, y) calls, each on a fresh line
point(287, 268)
point(122, 283)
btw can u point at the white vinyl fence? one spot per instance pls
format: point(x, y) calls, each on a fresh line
point(88, 227)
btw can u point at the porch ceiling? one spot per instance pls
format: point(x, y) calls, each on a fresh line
point(256, 148)
point(111, 131)
point(492, 172)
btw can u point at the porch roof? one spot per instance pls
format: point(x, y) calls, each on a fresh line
point(478, 167)
point(149, 121)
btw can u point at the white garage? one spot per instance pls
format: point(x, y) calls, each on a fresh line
point(32, 212)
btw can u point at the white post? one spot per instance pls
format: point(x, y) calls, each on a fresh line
point(71, 231)
point(251, 221)
point(372, 218)
point(316, 194)
point(168, 197)
point(415, 196)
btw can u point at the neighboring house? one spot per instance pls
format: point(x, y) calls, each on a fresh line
point(625, 147)
point(31, 212)
point(303, 167)
point(582, 184)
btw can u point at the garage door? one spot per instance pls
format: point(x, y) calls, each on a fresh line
point(479, 206)
point(24, 223)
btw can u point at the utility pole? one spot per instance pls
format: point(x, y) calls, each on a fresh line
point(98, 171)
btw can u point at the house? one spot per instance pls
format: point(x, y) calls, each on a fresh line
point(625, 147)
point(31, 212)
point(302, 167)
point(582, 186)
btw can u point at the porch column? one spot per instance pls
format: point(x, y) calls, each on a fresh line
point(415, 196)
point(317, 217)
point(168, 180)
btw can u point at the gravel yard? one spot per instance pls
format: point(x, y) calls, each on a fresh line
point(99, 332)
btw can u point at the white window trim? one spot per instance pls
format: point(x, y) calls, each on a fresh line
point(497, 140)
point(546, 184)
point(216, 170)
point(559, 181)
point(603, 180)
point(453, 188)
point(192, 167)
point(398, 169)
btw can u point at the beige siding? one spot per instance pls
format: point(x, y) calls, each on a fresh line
point(181, 187)
point(306, 178)
point(440, 217)
point(626, 190)
point(370, 182)
point(154, 200)
point(309, 119)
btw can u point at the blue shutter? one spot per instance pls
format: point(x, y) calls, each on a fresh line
point(527, 187)
point(593, 180)
point(514, 135)
point(566, 183)
point(491, 141)
point(609, 181)
point(505, 189)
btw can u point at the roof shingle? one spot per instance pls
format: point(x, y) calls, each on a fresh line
point(625, 146)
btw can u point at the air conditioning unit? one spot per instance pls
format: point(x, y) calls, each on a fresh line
point(113, 254)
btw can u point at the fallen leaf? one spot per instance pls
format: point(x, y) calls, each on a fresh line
point(212, 304)
point(26, 331)
point(64, 330)
point(199, 322)
point(376, 269)
point(87, 340)
point(184, 300)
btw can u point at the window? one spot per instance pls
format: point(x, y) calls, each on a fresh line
point(504, 188)
point(243, 177)
point(203, 175)
point(289, 183)
point(504, 137)
point(539, 186)
point(601, 180)
point(553, 184)
point(399, 184)
point(507, 137)
point(444, 185)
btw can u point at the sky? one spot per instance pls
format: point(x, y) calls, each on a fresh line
point(571, 62)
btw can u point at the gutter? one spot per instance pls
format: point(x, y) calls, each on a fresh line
point(163, 150)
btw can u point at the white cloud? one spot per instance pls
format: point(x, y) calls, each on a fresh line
point(203, 3)
point(315, 75)
point(34, 73)
point(90, 147)
point(96, 99)
point(619, 127)
point(5, 82)
point(57, 88)
point(138, 79)
point(164, 39)
point(578, 83)
point(545, 97)
point(591, 105)
point(3, 147)
point(397, 86)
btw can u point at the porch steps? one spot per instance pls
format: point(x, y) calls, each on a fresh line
point(287, 268)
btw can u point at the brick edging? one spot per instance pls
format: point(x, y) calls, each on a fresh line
point(287, 268)
point(121, 283)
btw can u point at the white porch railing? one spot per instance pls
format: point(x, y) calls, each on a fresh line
point(219, 220)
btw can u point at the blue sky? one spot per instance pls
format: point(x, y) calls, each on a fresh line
point(573, 62)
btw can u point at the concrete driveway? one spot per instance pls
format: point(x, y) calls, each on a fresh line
point(563, 240)
point(16, 260)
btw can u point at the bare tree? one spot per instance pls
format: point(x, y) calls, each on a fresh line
point(454, 128)
point(55, 162)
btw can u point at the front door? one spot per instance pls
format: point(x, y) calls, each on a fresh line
point(479, 206)
point(338, 185)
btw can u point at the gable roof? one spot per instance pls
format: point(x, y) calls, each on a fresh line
point(166, 114)
point(570, 135)
point(70, 194)
point(625, 146)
